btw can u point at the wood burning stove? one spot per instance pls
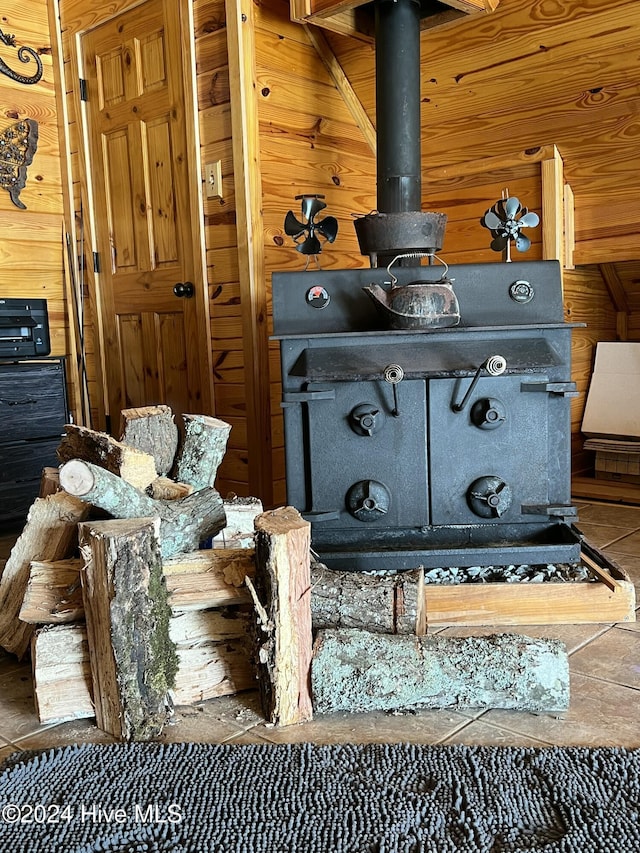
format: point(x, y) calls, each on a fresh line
point(426, 423)
point(447, 447)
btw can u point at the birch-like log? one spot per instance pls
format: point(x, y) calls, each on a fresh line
point(184, 523)
point(133, 660)
point(205, 442)
point(356, 670)
point(151, 429)
point(282, 594)
point(50, 533)
point(134, 466)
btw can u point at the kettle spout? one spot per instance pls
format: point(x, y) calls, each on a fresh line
point(379, 295)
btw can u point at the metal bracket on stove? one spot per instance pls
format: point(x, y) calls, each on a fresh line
point(294, 398)
point(560, 389)
point(555, 510)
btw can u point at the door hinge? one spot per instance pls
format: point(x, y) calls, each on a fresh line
point(84, 93)
point(96, 262)
point(561, 389)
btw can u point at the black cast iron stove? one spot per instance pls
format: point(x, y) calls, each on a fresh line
point(447, 447)
point(426, 423)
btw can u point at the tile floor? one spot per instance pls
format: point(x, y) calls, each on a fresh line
point(605, 688)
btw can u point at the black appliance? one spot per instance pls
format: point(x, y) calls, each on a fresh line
point(24, 328)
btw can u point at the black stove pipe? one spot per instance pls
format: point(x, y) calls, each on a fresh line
point(399, 185)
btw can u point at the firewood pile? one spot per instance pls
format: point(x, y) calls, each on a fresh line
point(127, 582)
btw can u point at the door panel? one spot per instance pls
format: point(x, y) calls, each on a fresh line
point(144, 173)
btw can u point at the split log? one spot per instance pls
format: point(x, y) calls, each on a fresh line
point(205, 441)
point(281, 596)
point(61, 674)
point(54, 594)
point(164, 489)
point(50, 533)
point(193, 627)
point(241, 514)
point(355, 670)
point(208, 670)
point(209, 578)
point(133, 661)
point(385, 604)
point(213, 664)
point(184, 523)
point(49, 482)
point(151, 429)
point(134, 466)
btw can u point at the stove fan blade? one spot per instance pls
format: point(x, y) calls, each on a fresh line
point(305, 233)
point(505, 219)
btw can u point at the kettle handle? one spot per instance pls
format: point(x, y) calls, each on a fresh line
point(416, 255)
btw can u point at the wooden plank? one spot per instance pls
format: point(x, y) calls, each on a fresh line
point(529, 604)
point(240, 17)
point(604, 490)
point(345, 89)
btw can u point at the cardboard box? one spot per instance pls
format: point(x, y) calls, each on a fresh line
point(613, 401)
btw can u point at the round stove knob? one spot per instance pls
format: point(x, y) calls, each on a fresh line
point(365, 419)
point(488, 413)
point(368, 500)
point(489, 497)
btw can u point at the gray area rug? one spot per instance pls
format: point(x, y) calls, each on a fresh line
point(188, 798)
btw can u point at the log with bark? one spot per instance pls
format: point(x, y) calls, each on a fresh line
point(386, 604)
point(281, 597)
point(134, 466)
point(50, 533)
point(133, 660)
point(205, 442)
point(184, 523)
point(355, 670)
point(151, 429)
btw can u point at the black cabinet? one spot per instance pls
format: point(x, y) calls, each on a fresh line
point(33, 412)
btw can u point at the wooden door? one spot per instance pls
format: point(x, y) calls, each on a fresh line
point(143, 151)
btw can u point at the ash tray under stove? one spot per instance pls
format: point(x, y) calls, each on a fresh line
point(451, 545)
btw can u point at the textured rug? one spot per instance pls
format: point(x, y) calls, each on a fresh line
point(203, 798)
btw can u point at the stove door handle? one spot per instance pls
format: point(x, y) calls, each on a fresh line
point(495, 365)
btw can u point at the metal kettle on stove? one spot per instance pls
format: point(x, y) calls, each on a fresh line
point(418, 305)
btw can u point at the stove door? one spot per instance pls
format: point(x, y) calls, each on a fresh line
point(490, 461)
point(367, 465)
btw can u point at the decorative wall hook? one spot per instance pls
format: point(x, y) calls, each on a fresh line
point(18, 144)
point(25, 54)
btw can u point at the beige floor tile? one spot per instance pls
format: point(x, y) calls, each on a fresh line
point(199, 724)
point(617, 515)
point(600, 714)
point(373, 727)
point(6, 751)
point(479, 733)
point(573, 636)
point(602, 534)
point(75, 731)
point(628, 545)
point(614, 656)
point(18, 716)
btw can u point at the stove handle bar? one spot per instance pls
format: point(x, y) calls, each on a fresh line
point(495, 365)
point(559, 389)
point(563, 511)
point(294, 398)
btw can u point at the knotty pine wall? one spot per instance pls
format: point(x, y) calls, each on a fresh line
point(32, 247)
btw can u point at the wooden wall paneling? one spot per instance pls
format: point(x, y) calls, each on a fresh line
point(240, 20)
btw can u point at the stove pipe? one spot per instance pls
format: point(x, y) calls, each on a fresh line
point(399, 185)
